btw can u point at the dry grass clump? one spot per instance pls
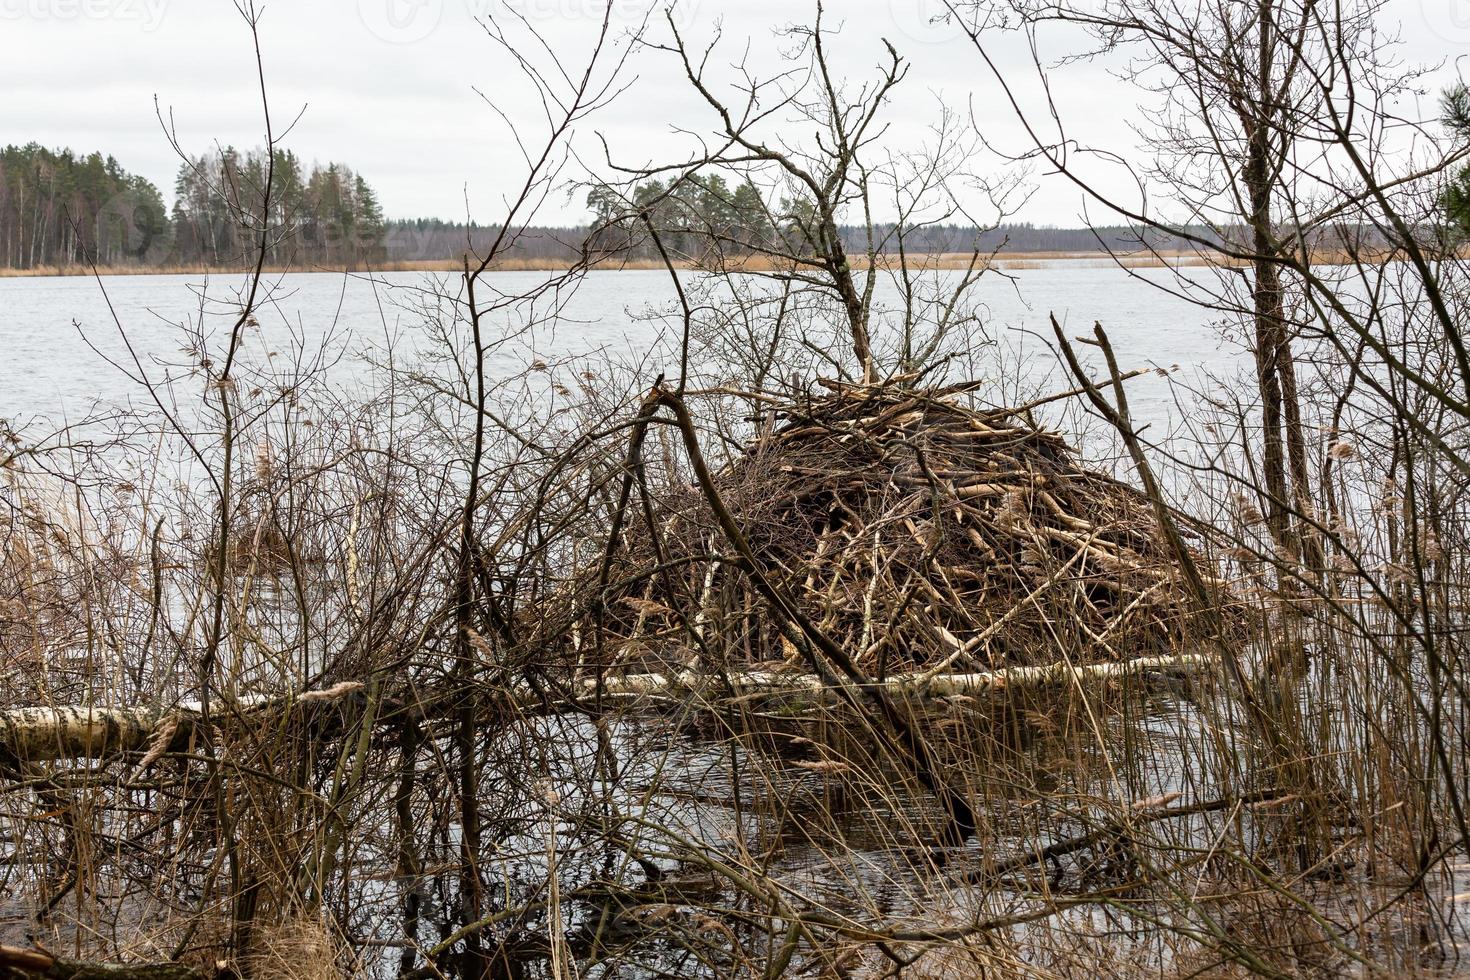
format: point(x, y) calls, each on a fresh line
point(297, 949)
point(46, 561)
point(913, 530)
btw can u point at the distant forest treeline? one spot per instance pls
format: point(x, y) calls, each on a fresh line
point(326, 216)
point(59, 208)
point(433, 239)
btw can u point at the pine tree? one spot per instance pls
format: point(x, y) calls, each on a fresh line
point(370, 225)
point(1456, 197)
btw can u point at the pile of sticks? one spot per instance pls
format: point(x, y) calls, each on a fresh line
point(913, 530)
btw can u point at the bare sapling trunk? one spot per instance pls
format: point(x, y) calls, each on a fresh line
point(1284, 454)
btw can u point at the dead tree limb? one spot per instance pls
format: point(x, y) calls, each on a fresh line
point(17, 962)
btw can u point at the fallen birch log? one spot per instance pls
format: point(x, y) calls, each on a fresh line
point(685, 683)
point(36, 734)
point(85, 731)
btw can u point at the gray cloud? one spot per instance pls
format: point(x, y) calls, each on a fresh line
point(389, 85)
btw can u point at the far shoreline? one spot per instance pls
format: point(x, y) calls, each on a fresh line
point(1001, 262)
point(917, 262)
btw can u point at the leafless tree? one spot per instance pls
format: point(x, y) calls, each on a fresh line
point(773, 234)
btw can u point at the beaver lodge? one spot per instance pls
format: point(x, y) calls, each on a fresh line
point(912, 531)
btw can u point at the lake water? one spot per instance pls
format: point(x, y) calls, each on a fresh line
point(67, 344)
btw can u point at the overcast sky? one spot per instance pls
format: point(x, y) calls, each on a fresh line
point(389, 86)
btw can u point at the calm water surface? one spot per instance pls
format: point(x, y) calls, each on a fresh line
point(67, 344)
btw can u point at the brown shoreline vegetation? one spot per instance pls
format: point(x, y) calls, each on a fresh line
point(952, 261)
